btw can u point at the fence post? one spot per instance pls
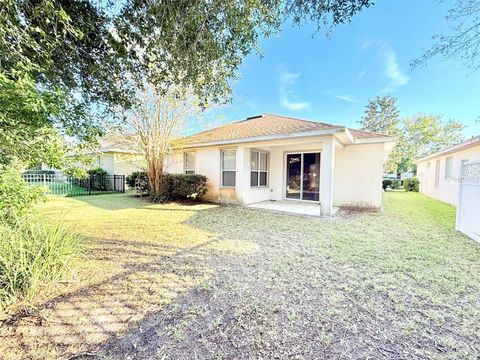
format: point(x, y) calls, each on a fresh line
point(90, 184)
point(44, 180)
point(459, 197)
point(114, 183)
point(123, 183)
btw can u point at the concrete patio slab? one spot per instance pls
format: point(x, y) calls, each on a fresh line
point(292, 207)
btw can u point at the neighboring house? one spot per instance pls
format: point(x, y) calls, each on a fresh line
point(272, 157)
point(116, 160)
point(439, 173)
point(402, 176)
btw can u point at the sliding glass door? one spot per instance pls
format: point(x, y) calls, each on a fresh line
point(303, 176)
point(294, 176)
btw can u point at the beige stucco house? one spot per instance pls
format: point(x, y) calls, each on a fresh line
point(439, 173)
point(272, 158)
point(114, 158)
point(117, 160)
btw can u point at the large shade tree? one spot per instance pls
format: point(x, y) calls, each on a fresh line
point(383, 116)
point(155, 127)
point(416, 135)
point(79, 57)
point(462, 39)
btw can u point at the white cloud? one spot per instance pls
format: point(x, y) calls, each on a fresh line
point(391, 67)
point(361, 74)
point(365, 44)
point(292, 105)
point(346, 98)
point(288, 99)
point(288, 78)
point(343, 97)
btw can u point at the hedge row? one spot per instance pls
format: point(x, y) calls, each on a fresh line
point(174, 186)
point(410, 184)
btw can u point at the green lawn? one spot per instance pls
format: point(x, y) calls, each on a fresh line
point(207, 281)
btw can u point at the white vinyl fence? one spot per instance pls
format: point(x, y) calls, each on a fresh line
point(468, 206)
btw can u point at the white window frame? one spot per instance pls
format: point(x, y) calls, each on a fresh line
point(285, 174)
point(449, 167)
point(437, 174)
point(186, 170)
point(259, 171)
point(222, 170)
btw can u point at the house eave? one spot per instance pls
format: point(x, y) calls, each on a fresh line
point(385, 139)
point(301, 134)
point(475, 141)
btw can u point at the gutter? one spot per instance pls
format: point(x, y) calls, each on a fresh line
point(376, 140)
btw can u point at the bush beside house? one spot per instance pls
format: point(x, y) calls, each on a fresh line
point(411, 184)
point(181, 186)
point(393, 184)
point(174, 186)
point(138, 180)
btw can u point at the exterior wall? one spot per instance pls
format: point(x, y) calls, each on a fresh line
point(355, 181)
point(119, 164)
point(106, 162)
point(447, 189)
point(125, 165)
point(207, 162)
point(358, 175)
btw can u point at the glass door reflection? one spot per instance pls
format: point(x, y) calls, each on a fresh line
point(303, 176)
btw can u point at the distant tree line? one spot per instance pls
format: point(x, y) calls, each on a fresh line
point(418, 135)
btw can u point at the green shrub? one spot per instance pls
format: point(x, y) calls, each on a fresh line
point(97, 171)
point(138, 180)
point(75, 172)
point(174, 186)
point(411, 184)
point(181, 186)
point(386, 183)
point(16, 196)
point(396, 184)
point(32, 255)
point(98, 179)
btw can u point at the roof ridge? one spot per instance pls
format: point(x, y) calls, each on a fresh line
point(305, 120)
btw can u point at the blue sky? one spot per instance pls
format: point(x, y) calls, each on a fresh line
point(331, 79)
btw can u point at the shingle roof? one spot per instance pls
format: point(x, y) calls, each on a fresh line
point(364, 134)
point(265, 125)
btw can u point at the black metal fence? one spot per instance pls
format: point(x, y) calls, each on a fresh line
point(64, 185)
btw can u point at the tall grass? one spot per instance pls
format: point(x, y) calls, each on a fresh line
point(32, 256)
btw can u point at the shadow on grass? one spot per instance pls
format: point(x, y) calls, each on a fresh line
point(133, 279)
point(130, 200)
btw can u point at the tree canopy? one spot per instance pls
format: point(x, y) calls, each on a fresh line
point(91, 54)
point(425, 134)
point(463, 38)
point(417, 135)
point(382, 115)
